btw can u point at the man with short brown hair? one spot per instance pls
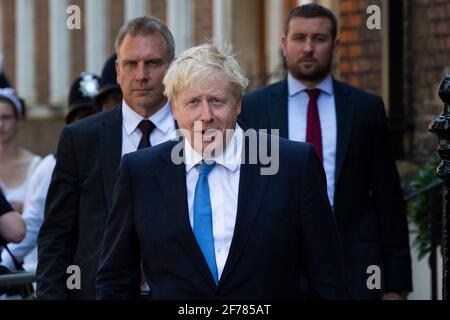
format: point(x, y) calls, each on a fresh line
point(348, 129)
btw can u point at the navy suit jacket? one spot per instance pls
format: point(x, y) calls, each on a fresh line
point(4, 83)
point(368, 201)
point(78, 201)
point(284, 225)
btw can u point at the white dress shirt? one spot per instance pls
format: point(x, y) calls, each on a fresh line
point(19, 193)
point(223, 183)
point(297, 118)
point(33, 214)
point(131, 135)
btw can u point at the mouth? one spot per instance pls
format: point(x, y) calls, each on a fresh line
point(307, 61)
point(207, 135)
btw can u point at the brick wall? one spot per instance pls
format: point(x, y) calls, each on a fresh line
point(41, 50)
point(77, 44)
point(159, 9)
point(203, 21)
point(288, 5)
point(361, 49)
point(9, 39)
point(40, 136)
point(249, 40)
point(115, 20)
point(428, 62)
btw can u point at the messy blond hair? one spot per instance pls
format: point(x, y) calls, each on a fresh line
point(200, 62)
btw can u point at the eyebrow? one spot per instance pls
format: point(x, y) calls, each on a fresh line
point(145, 60)
point(128, 61)
point(314, 34)
point(154, 60)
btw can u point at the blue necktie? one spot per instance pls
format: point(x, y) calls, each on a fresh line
point(203, 229)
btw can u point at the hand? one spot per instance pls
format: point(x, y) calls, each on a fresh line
point(17, 206)
point(392, 296)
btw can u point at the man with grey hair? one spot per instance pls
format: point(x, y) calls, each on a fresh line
point(88, 157)
point(212, 226)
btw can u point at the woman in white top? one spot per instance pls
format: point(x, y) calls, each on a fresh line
point(16, 163)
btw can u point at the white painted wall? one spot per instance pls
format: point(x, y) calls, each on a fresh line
point(25, 62)
point(134, 9)
point(222, 20)
point(179, 21)
point(96, 46)
point(59, 52)
point(274, 26)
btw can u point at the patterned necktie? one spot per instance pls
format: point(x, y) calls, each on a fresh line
point(146, 127)
point(203, 228)
point(313, 131)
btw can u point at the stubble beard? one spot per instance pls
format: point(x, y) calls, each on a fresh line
point(316, 75)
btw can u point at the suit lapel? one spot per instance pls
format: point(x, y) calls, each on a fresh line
point(172, 180)
point(277, 108)
point(344, 117)
point(110, 147)
point(252, 187)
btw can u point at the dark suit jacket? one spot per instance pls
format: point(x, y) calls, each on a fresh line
point(368, 201)
point(4, 83)
point(78, 201)
point(284, 224)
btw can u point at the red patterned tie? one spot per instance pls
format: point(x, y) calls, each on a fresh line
point(146, 127)
point(313, 132)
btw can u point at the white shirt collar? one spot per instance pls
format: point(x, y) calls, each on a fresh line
point(295, 86)
point(230, 159)
point(162, 119)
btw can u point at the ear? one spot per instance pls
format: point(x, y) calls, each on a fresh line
point(239, 106)
point(117, 65)
point(172, 107)
point(336, 46)
point(284, 44)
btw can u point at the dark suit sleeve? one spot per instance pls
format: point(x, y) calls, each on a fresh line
point(5, 207)
point(243, 115)
point(118, 276)
point(391, 209)
point(321, 251)
point(4, 83)
point(252, 111)
point(58, 235)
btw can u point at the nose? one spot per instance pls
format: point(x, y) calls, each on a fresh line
point(205, 112)
point(141, 72)
point(308, 46)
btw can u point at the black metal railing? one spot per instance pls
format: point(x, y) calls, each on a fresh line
point(17, 278)
point(441, 127)
point(17, 285)
point(15, 282)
